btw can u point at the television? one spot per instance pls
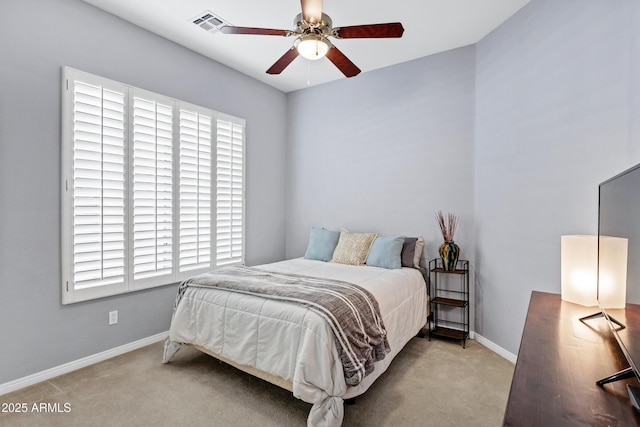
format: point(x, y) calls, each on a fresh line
point(619, 218)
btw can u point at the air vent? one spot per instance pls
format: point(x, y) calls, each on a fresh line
point(209, 21)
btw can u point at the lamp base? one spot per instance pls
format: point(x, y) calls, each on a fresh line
point(601, 314)
point(621, 375)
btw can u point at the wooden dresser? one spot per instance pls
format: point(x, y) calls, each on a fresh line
point(559, 361)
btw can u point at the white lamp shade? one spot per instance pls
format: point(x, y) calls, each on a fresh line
point(579, 270)
point(612, 283)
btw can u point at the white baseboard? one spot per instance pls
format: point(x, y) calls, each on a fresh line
point(494, 347)
point(80, 363)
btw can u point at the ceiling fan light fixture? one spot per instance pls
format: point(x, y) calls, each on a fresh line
point(313, 47)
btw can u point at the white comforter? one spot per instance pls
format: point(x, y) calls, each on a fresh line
point(292, 341)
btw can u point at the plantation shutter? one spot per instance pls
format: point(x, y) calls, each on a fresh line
point(98, 184)
point(152, 188)
point(152, 174)
point(195, 190)
point(229, 192)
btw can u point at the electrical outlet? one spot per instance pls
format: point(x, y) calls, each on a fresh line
point(113, 317)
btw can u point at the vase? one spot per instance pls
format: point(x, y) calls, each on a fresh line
point(449, 253)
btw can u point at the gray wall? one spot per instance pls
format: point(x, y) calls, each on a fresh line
point(37, 38)
point(384, 152)
point(556, 114)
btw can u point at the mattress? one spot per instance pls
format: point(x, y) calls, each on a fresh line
point(292, 343)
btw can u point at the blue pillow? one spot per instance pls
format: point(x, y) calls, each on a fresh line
point(322, 243)
point(385, 252)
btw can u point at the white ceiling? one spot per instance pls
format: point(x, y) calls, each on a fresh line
point(431, 26)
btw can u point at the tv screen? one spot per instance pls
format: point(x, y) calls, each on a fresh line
point(619, 217)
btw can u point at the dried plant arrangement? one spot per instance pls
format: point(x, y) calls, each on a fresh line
point(448, 224)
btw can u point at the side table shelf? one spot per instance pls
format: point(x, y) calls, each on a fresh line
point(447, 297)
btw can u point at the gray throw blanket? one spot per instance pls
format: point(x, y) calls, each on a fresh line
point(352, 311)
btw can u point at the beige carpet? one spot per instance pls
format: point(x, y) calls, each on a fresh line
point(435, 383)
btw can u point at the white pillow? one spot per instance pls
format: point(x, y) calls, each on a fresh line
point(418, 253)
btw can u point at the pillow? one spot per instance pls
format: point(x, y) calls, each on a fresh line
point(385, 252)
point(408, 251)
point(353, 248)
point(322, 243)
point(418, 252)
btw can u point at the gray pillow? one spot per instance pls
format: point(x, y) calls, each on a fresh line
point(408, 251)
point(322, 243)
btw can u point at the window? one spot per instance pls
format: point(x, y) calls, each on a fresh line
point(153, 188)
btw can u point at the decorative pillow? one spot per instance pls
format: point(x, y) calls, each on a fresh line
point(322, 243)
point(408, 251)
point(385, 252)
point(353, 248)
point(418, 252)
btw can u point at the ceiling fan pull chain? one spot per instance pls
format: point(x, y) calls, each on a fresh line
point(308, 72)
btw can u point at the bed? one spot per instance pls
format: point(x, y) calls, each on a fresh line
point(291, 345)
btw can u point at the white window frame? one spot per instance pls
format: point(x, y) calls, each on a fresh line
point(72, 293)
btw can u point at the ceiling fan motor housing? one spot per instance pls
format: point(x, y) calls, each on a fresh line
point(321, 28)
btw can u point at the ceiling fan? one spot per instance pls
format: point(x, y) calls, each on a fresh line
point(312, 30)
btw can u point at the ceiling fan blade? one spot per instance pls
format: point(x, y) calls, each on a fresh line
point(311, 10)
point(372, 31)
point(227, 29)
point(284, 61)
point(343, 63)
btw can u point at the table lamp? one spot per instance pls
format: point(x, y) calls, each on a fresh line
point(579, 270)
